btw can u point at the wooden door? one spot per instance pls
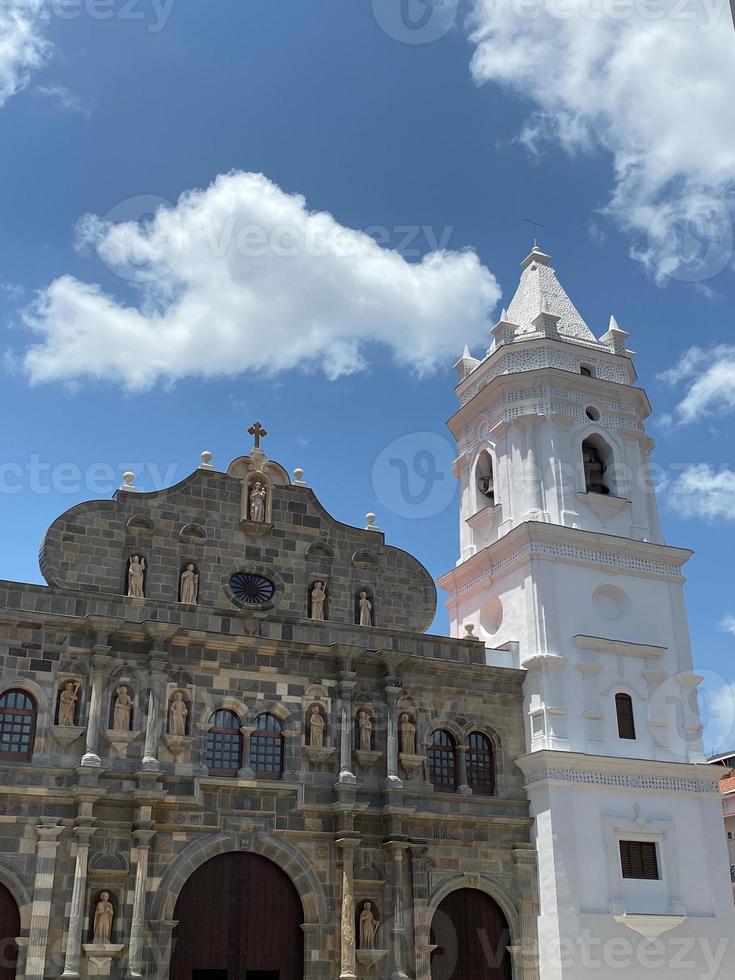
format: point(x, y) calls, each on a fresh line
point(239, 918)
point(471, 935)
point(9, 932)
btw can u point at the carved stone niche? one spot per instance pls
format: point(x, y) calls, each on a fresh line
point(178, 742)
point(317, 754)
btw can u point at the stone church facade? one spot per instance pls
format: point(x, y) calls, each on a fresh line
point(332, 747)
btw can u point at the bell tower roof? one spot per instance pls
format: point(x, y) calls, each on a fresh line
point(539, 291)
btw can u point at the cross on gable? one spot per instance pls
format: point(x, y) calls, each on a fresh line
point(258, 432)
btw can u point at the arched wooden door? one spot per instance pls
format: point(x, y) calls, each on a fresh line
point(471, 935)
point(239, 918)
point(9, 931)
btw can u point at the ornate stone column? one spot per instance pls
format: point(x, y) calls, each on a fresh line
point(347, 685)
point(83, 832)
point(48, 833)
point(421, 924)
point(102, 629)
point(525, 948)
point(143, 838)
point(348, 846)
point(393, 691)
point(91, 756)
point(396, 850)
point(463, 787)
point(150, 752)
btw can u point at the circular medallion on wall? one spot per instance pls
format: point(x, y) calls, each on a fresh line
point(610, 602)
point(251, 589)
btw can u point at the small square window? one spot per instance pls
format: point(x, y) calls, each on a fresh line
point(639, 860)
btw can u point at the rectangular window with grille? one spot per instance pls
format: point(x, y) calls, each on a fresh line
point(639, 859)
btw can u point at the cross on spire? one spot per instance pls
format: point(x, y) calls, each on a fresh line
point(535, 225)
point(258, 432)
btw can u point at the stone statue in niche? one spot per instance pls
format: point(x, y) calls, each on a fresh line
point(177, 714)
point(103, 914)
point(189, 585)
point(365, 729)
point(257, 503)
point(369, 926)
point(316, 728)
point(366, 610)
point(136, 573)
point(68, 703)
point(123, 710)
point(408, 734)
point(318, 600)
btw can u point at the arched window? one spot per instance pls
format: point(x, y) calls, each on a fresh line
point(17, 725)
point(626, 718)
point(485, 477)
point(443, 761)
point(587, 371)
point(596, 458)
point(480, 764)
point(266, 747)
point(224, 744)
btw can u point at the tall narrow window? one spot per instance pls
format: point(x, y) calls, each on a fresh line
point(17, 725)
point(266, 747)
point(595, 457)
point(626, 718)
point(485, 477)
point(480, 764)
point(443, 761)
point(638, 859)
point(224, 744)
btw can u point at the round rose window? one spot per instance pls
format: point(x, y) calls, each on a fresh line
point(251, 589)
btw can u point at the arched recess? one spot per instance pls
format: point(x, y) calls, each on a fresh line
point(238, 912)
point(287, 857)
point(473, 921)
point(9, 930)
point(284, 855)
point(485, 480)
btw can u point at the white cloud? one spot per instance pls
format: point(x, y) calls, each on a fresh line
point(710, 377)
point(718, 716)
point(701, 491)
point(64, 97)
point(728, 624)
point(243, 276)
point(23, 47)
point(649, 81)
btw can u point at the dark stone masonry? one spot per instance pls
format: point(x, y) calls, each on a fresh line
point(234, 816)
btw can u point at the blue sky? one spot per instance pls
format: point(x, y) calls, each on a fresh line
point(441, 130)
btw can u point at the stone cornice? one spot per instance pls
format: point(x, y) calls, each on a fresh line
point(611, 772)
point(537, 540)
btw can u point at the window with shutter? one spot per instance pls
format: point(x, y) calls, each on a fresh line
point(639, 859)
point(626, 718)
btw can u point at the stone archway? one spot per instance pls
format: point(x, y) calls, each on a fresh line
point(9, 931)
point(239, 917)
point(471, 935)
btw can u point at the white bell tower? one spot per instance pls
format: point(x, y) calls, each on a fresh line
point(563, 571)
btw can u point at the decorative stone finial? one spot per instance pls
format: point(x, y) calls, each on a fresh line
point(469, 629)
point(128, 481)
point(371, 519)
point(298, 475)
point(206, 463)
